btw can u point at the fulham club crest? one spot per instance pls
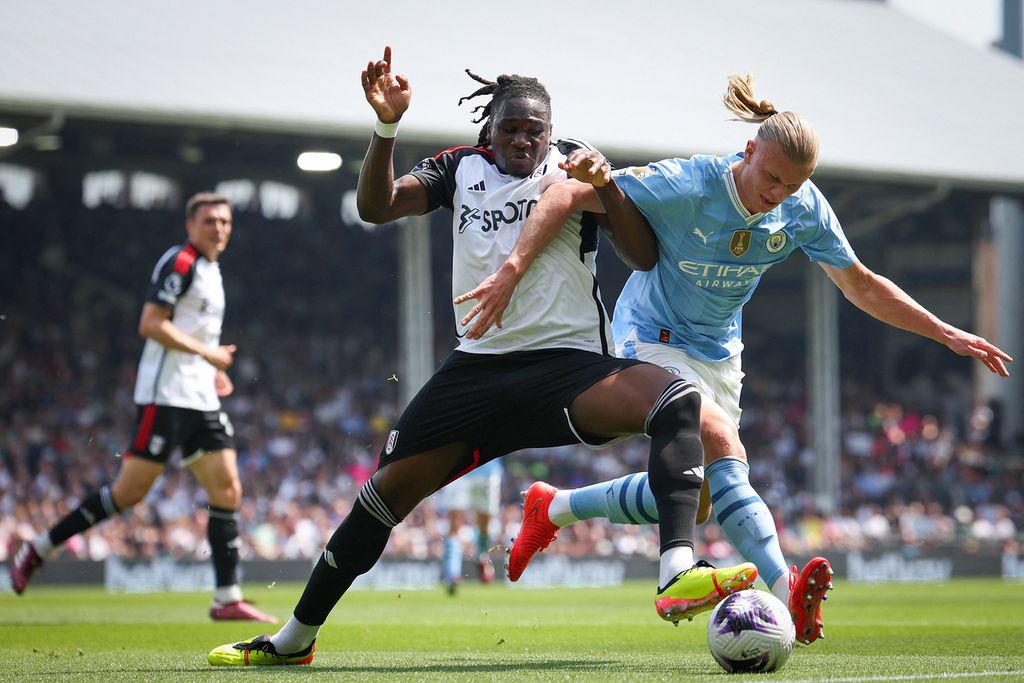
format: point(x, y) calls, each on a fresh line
point(392, 442)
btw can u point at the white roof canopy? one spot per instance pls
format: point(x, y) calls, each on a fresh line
point(891, 98)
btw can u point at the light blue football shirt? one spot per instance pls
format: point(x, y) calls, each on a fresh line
point(713, 252)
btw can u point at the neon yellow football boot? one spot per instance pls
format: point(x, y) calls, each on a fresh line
point(258, 651)
point(700, 588)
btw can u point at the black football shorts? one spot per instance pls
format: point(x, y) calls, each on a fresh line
point(161, 429)
point(500, 403)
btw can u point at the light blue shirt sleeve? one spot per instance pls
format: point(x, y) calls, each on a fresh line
point(663, 191)
point(824, 239)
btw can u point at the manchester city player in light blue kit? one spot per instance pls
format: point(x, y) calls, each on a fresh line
point(703, 231)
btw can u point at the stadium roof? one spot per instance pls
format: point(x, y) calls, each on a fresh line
point(892, 98)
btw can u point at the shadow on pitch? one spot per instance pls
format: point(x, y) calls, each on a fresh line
point(566, 665)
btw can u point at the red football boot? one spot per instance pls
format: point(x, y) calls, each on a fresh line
point(537, 530)
point(806, 591)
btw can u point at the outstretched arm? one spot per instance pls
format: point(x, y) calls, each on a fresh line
point(595, 190)
point(379, 197)
point(881, 298)
point(558, 202)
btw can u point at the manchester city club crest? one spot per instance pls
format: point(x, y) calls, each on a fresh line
point(740, 242)
point(776, 242)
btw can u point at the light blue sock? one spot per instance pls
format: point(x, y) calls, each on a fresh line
point(745, 519)
point(626, 500)
point(451, 565)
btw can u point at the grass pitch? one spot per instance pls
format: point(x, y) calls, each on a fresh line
point(970, 630)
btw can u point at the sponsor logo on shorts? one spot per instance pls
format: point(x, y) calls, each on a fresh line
point(392, 442)
point(229, 428)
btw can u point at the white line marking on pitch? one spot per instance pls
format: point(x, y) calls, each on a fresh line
point(908, 677)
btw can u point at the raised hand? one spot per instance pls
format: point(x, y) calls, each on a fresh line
point(388, 93)
point(588, 166)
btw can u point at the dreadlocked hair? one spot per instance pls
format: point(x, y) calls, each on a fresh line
point(504, 88)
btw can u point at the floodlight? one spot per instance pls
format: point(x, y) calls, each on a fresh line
point(319, 161)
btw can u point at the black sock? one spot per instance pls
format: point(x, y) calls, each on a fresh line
point(92, 511)
point(222, 532)
point(676, 463)
point(354, 548)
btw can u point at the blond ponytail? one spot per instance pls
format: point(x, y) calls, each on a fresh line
point(794, 135)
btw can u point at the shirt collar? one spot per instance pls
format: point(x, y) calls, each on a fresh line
point(734, 197)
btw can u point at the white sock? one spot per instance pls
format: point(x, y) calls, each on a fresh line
point(225, 595)
point(560, 511)
point(673, 561)
point(780, 588)
point(294, 637)
point(43, 545)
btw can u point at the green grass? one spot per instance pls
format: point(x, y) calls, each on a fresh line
point(971, 630)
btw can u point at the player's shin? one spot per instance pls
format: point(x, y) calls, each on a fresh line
point(222, 533)
point(676, 472)
point(93, 510)
point(354, 548)
point(747, 522)
point(626, 500)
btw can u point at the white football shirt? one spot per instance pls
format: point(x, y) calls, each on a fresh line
point(557, 303)
point(191, 286)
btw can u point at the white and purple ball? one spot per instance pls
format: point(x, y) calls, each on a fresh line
point(751, 632)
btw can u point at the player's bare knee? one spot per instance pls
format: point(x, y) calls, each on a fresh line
point(719, 435)
point(233, 496)
point(228, 496)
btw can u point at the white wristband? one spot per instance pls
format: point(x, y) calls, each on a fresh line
point(385, 130)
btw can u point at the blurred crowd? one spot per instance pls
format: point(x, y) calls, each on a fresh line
point(314, 401)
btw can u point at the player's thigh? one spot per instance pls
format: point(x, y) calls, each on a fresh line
point(403, 483)
point(134, 480)
point(209, 452)
point(720, 381)
point(620, 403)
point(217, 472)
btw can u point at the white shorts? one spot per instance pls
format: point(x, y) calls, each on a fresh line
point(480, 491)
point(721, 381)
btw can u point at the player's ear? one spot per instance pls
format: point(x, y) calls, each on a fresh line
point(748, 153)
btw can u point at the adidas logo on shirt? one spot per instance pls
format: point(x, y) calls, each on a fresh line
point(479, 187)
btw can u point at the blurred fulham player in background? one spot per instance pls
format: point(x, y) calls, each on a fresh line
point(181, 377)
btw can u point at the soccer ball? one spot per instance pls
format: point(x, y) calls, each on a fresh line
point(751, 631)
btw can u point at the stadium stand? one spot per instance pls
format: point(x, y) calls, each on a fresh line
point(316, 392)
